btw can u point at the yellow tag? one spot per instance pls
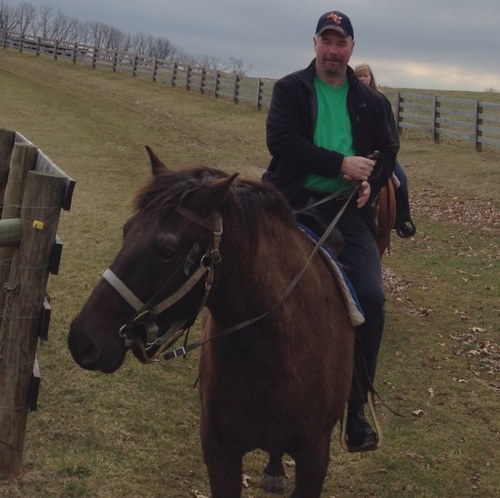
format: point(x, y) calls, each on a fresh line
point(38, 225)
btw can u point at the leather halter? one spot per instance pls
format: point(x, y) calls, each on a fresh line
point(147, 313)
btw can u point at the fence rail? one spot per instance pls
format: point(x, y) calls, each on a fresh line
point(438, 116)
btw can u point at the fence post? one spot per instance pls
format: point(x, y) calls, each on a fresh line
point(189, 76)
point(399, 112)
point(7, 139)
point(115, 60)
point(203, 80)
point(236, 93)
point(174, 73)
point(436, 115)
point(94, 57)
point(73, 55)
point(55, 50)
point(38, 42)
point(260, 93)
point(23, 159)
point(217, 84)
point(20, 324)
point(20, 47)
point(478, 122)
point(155, 69)
point(134, 67)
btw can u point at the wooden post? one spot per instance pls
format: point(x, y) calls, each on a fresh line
point(10, 232)
point(203, 80)
point(23, 159)
point(478, 122)
point(260, 93)
point(134, 65)
point(7, 139)
point(188, 77)
point(217, 84)
point(174, 73)
point(236, 92)
point(155, 70)
point(399, 112)
point(26, 291)
point(436, 115)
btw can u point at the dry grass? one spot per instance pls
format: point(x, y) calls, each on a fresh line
point(135, 433)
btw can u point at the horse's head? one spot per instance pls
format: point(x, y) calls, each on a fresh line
point(162, 274)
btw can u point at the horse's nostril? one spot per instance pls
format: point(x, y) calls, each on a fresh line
point(83, 349)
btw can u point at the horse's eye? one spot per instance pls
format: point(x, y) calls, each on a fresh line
point(165, 247)
point(165, 253)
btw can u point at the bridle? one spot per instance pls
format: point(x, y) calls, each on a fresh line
point(199, 264)
point(157, 340)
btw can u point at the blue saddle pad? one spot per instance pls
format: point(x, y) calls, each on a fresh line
point(348, 292)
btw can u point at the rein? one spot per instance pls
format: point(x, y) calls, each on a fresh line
point(230, 330)
point(146, 313)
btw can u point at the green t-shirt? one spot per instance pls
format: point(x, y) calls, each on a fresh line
point(332, 132)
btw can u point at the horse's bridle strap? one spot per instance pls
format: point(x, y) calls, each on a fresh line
point(123, 290)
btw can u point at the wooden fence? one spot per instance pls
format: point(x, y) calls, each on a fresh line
point(33, 191)
point(438, 116)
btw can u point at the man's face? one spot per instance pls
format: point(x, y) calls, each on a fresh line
point(333, 52)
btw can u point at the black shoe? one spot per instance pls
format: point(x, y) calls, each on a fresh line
point(359, 433)
point(406, 229)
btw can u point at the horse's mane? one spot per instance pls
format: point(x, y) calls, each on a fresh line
point(248, 202)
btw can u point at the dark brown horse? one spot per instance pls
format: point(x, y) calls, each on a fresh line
point(278, 383)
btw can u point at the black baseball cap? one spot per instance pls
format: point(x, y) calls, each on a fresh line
point(337, 21)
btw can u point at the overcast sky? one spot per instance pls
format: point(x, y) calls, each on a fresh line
point(435, 44)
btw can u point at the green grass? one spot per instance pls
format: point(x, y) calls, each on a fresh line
point(135, 433)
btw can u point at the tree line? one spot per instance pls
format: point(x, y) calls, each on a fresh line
point(27, 20)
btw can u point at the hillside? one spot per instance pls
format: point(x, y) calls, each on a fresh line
point(135, 433)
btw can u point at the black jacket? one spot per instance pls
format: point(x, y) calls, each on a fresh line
point(290, 129)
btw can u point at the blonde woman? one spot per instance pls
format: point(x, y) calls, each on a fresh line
point(404, 224)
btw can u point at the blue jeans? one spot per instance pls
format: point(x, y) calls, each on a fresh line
point(402, 197)
point(361, 260)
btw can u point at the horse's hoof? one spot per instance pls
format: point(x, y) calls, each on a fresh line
point(273, 484)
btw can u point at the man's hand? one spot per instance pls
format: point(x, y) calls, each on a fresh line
point(363, 194)
point(357, 168)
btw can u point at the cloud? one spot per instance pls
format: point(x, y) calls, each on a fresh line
point(445, 44)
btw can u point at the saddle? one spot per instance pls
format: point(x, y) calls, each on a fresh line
point(312, 220)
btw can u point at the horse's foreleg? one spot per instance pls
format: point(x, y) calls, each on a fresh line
point(224, 472)
point(273, 480)
point(311, 466)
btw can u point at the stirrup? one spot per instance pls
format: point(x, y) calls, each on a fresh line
point(376, 423)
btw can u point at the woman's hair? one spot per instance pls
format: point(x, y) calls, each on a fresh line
point(365, 68)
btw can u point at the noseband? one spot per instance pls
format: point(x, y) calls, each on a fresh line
point(146, 314)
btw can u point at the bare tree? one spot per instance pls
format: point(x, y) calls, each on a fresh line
point(161, 48)
point(236, 66)
point(25, 15)
point(25, 19)
point(8, 19)
point(44, 21)
point(140, 42)
point(63, 27)
point(117, 40)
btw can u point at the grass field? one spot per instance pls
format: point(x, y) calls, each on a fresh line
point(135, 433)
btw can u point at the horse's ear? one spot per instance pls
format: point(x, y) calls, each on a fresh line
point(157, 166)
point(209, 197)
